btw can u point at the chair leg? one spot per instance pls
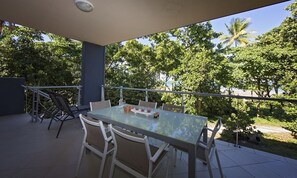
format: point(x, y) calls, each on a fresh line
point(219, 163)
point(60, 127)
point(169, 160)
point(175, 155)
point(111, 169)
point(41, 119)
point(79, 161)
point(180, 156)
point(102, 165)
point(49, 125)
point(208, 164)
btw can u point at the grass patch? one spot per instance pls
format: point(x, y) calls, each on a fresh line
point(283, 144)
point(270, 122)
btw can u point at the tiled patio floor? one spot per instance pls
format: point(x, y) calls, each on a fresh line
point(29, 150)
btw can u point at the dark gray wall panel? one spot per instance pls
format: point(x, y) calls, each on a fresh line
point(12, 97)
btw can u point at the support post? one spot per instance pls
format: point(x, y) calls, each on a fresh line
point(93, 61)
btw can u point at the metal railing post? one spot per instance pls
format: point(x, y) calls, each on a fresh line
point(183, 100)
point(146, 95)
point(26, 109)
point(121, 101)
point(200, 105)
point(78, 96)
point(121, 93)
point(102, 93)
point(35, 104)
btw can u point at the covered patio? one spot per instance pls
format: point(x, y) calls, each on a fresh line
point(29, 150)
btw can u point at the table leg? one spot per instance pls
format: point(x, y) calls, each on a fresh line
point(191, 162)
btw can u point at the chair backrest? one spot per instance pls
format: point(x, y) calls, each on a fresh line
point(214, 132)
point(64, 104)
point(147, 104)
point(100, 105)
point(95, 134)
point(173, 108)
point(132, 150)
point(52, 95)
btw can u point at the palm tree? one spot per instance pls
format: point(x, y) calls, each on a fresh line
point(238, 34)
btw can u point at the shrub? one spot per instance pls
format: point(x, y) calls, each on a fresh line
point(293, 128)
point(239, 119)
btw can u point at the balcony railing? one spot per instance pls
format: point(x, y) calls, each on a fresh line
point(38, 93)
point(182, 93)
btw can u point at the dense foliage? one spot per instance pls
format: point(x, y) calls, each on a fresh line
point(24, 53)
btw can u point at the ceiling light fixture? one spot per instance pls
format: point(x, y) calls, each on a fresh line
point(84, 5)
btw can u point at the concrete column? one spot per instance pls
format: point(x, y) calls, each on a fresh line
point(93, 62)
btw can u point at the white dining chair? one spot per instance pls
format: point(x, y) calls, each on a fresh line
point(100, 105)
point(133, 154)
point(204, 149)
point(95, 140)
point(173, 108)
point(152, 105)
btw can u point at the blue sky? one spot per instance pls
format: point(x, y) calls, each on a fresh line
point(262, 19)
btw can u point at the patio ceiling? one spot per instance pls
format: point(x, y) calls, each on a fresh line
point(118, 20)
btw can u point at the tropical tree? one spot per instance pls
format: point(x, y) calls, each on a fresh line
point(237, 33)
point(131, 65)
point(168, 53)
point(254, 70)
point(202, 69)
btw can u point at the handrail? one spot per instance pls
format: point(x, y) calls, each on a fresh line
point(42, 93)
point(204, 94)
point(53, 87)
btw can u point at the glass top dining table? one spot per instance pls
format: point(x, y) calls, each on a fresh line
point(178, 129)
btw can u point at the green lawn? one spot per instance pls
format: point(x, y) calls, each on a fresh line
point(270, 122)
